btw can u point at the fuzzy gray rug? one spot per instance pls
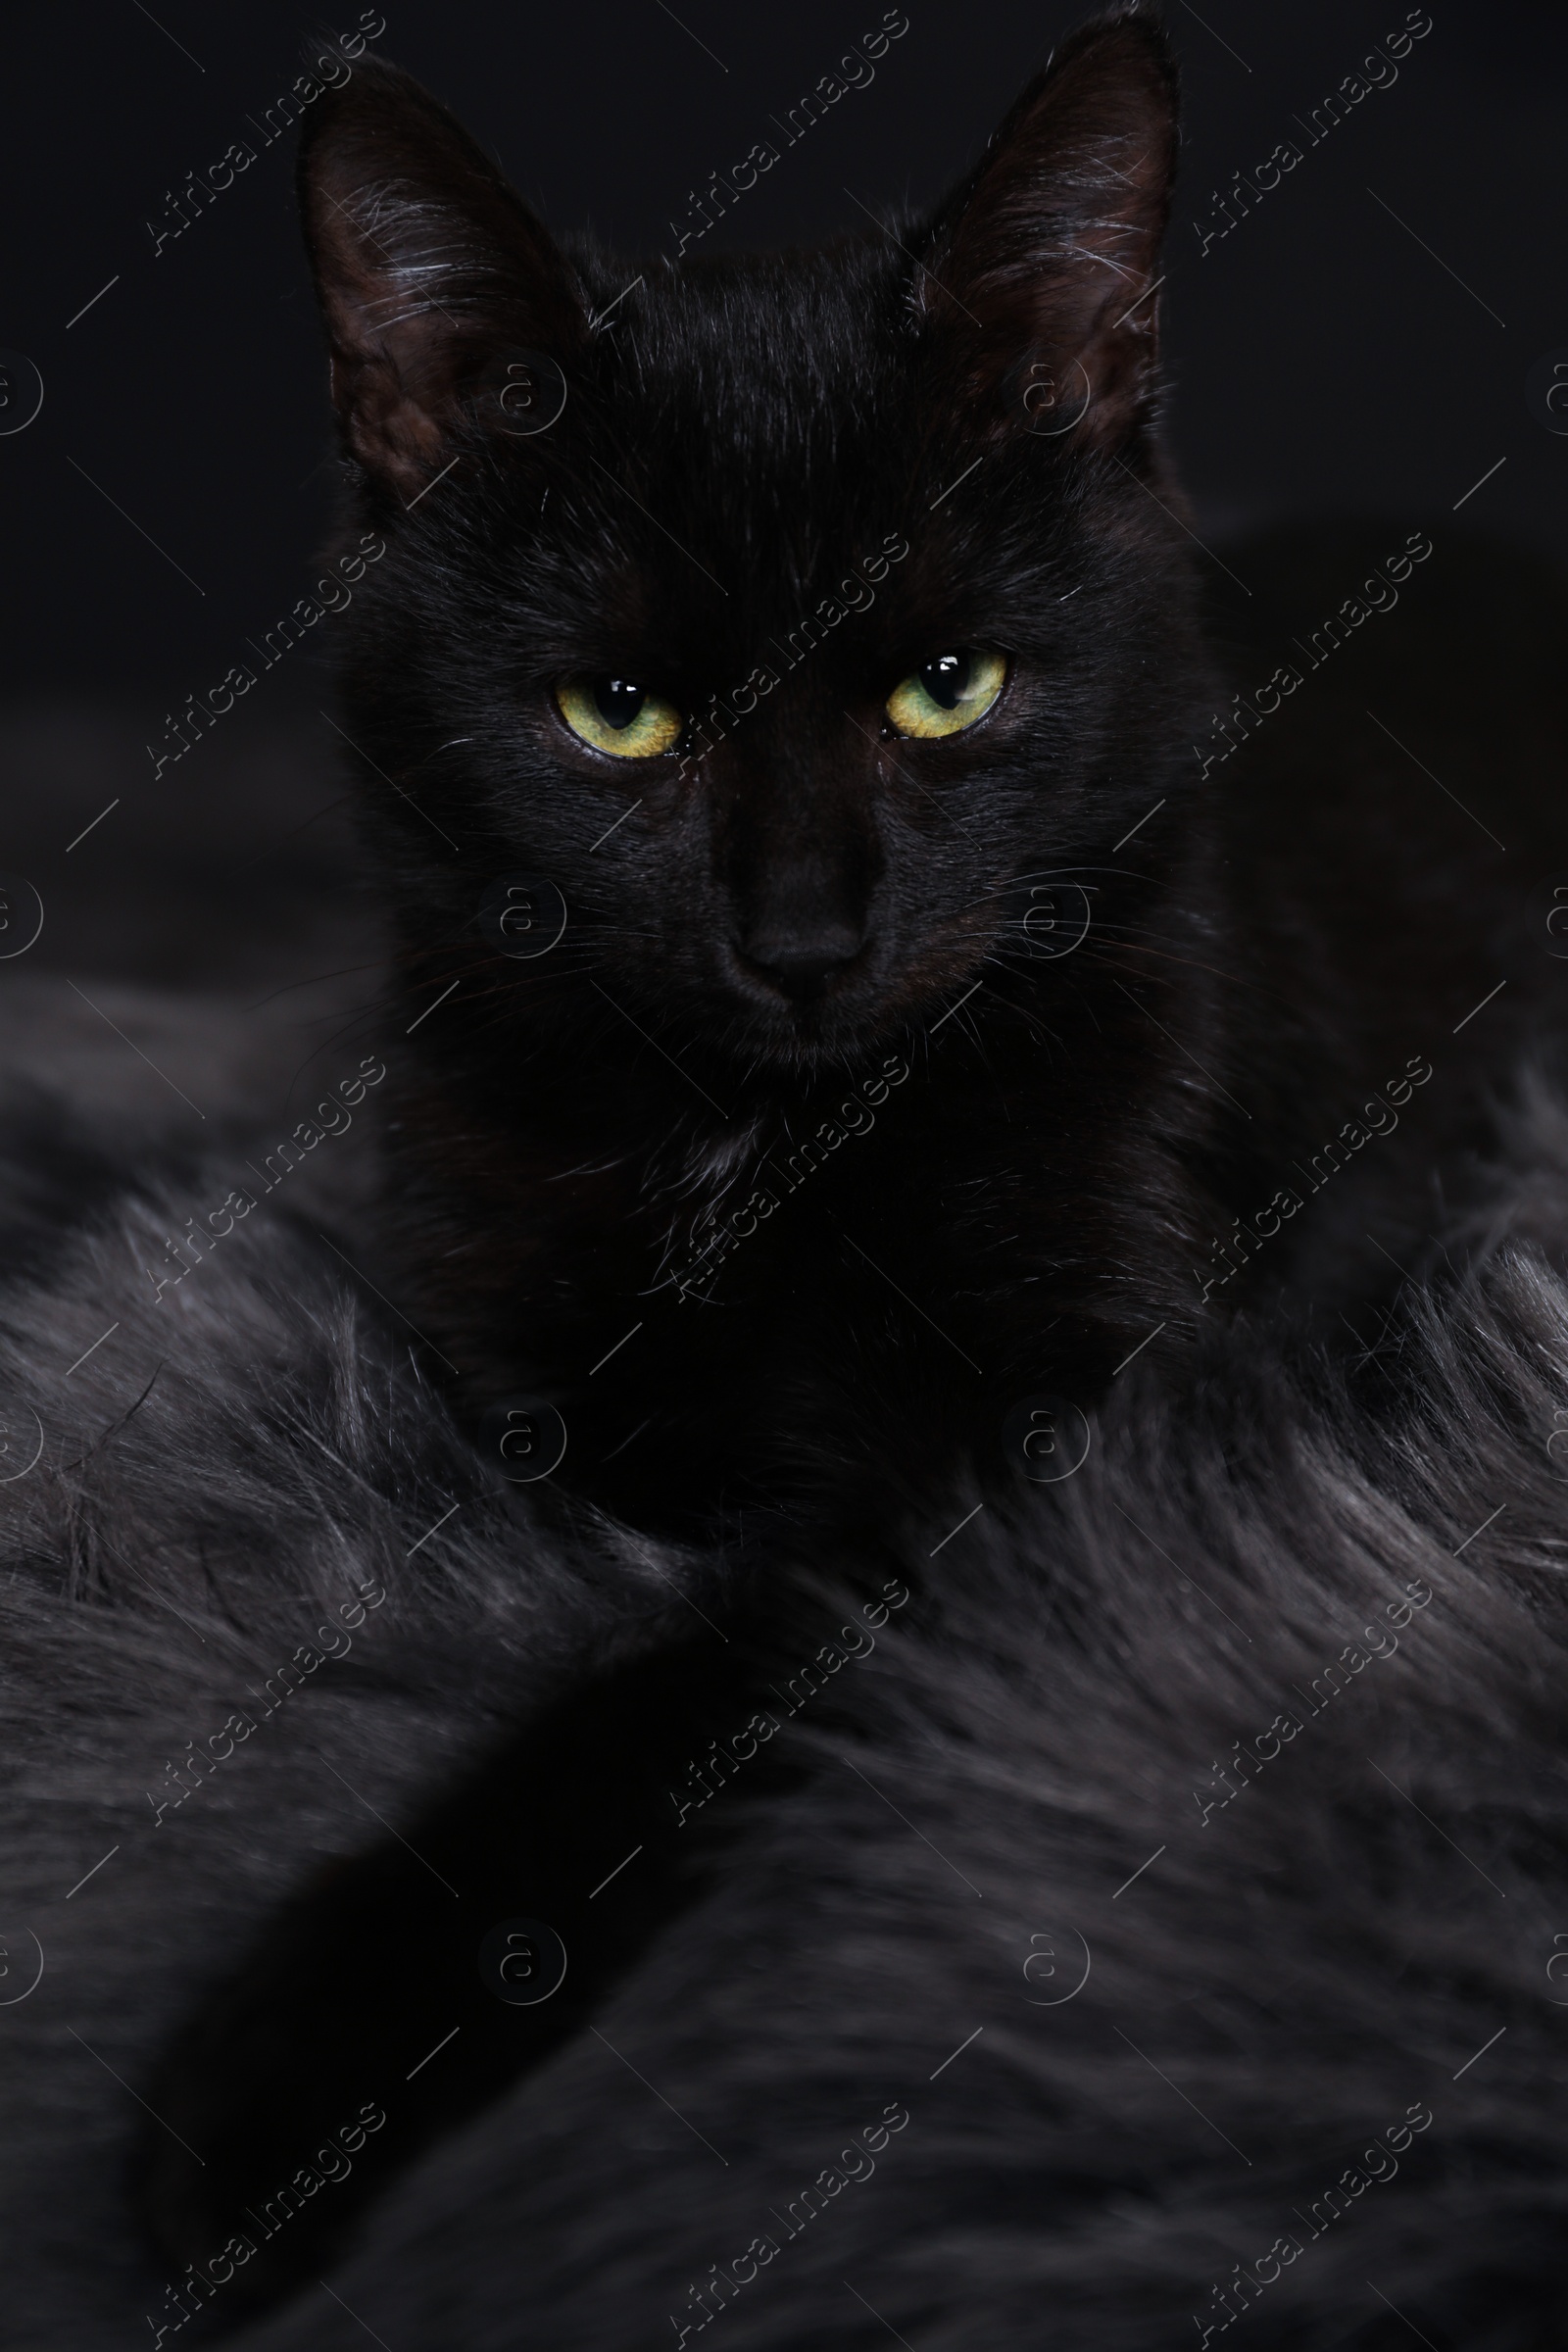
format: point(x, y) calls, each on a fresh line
point(1167, 1931)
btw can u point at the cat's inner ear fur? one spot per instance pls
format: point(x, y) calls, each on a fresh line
point(429, 270)
point(1039, 274)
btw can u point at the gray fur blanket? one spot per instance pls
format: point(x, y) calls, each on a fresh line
point(1163, 1932)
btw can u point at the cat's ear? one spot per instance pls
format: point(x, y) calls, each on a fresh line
point(1039, 273)
point(429, 270)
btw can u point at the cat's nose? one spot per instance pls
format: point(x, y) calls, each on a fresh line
point(800, 962)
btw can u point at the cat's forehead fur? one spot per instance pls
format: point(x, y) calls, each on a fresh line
point(742, 435)
point(792, 347)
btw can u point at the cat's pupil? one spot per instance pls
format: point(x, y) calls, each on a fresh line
point(618, 701)
point(945, 678)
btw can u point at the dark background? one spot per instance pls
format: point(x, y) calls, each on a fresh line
point(1324, 362)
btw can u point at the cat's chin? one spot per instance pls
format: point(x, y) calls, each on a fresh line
point(803, 1048)
point(833, 1052)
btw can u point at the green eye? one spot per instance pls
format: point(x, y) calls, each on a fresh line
point(948, 692)
point(616, 717)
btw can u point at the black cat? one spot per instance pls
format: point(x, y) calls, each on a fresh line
point(834, 999)
point(808, 629)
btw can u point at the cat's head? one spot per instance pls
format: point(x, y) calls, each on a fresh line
point(793, 614)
